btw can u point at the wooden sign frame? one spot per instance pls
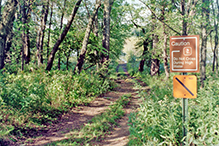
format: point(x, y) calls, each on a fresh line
point(184, 53)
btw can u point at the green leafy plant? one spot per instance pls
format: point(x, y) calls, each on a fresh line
point(159, 118)
point(36, 98)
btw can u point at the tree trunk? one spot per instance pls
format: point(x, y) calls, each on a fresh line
point(204, 26)
point(8, 43)
point(155, 65)
point(155, 62)
point(96, 28)
point(106, 30)
point(61, 25)
point(22, 59)
point(2, 49)
point(6, 24)
point(62, 36)
point(86, 38)
point(41, 33)
point(184, 23)
point(203, 55)
point(141, 64)
point(25, 12)
point(165, 56)
point(215, 59)
point(49, 33)
point(67, 62)
point(96, 31)
point(145, 46)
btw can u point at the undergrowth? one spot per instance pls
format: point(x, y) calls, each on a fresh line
point(159, 118)
point(31, 99)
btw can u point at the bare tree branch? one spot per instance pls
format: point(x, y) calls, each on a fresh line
point(85, 3)
point(136, 25)
point(160, 19)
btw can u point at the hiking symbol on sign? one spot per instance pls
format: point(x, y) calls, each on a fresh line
point(184, 53)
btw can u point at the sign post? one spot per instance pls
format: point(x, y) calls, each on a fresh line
point(185, 116)
point(184, 57)
point(185, 86)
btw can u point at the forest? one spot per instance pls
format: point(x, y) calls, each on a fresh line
point(98, 72)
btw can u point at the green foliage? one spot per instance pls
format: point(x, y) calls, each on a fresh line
point(204, 111)
point(39, 97)
point(132, 64)
point(159, 119)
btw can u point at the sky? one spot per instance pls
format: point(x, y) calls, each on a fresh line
point(132, 1)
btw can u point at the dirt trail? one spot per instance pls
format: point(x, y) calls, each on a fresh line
point(80, 115)
point(119, 136)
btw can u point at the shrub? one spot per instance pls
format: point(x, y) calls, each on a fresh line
point(39, 97)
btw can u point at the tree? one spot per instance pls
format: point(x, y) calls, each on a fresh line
point(61, 25)
point(165, 56)
point(155, 62)
point(49, 31)
point(6, 24)
point(40, 41)
point(106, 30)
point(146, 41)
point(62, 36)
point(215, 50)
point(25, 8)
point(205, 32)
point(145, 51)
point(86, 38)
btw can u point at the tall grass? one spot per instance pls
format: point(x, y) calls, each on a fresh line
point(159, 118)
point(32, 99)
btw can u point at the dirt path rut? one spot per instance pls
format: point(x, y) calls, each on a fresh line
point(78, 116)
point(120, 135)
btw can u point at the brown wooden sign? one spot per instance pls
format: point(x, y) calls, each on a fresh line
point(184, 53)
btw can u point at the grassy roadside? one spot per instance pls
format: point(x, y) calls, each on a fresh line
point(31, 100)
point(99, 126)
point(159, 118)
